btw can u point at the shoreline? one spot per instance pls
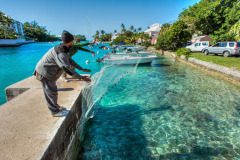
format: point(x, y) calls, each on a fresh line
point(14, 42)
point(218, 71)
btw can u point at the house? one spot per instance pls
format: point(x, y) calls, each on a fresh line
point(204, 38)
point(115, 35)
point(153, 32)
point(17, 27)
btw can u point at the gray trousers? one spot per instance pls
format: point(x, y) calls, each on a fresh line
point(51, 94)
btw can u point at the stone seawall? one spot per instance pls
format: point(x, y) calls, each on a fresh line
point(13, 42)
point(225, 73)
point(27, 129)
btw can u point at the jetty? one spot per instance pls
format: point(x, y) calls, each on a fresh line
point(27, 129)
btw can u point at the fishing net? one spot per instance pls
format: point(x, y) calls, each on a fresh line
point(102, 81)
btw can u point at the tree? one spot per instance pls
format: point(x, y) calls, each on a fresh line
point(212, 17)
point(120, 39)
point(132, 28)
point(115, 31)
point(96, 36)
point(106, 37)
point(163, 38)
point(123, 28)
point(131, 37)
point(38, 33)
point(102, 32)
point(173, 37)
point(6, 32)
point(139, 29)
point(80, 37)
point(235, 31)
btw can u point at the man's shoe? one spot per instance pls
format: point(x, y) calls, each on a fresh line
point(61, 113)
point(62, 108)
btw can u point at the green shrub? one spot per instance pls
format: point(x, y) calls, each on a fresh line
point(146, 43)
point(183, 51)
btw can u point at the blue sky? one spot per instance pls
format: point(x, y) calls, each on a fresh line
point(87, 16)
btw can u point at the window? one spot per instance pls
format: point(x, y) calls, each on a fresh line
point(197, 44)
point(204, 44)
point(231, 44)
point(217, 45)
point(238, 44)
point(223, 44)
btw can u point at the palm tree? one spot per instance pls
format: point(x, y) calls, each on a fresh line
point(102, 32)
point(132, 28)
point(115, 31)
point(96, 36)
point(123, 27)
point(139, 29)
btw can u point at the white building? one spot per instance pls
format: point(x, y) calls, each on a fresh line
point(18, 28)
point(114, 36)
point(153, 32)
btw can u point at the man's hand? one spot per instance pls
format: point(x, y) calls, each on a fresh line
point(86, 70)
point(85, 78)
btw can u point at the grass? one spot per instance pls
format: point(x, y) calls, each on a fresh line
point(231, 62)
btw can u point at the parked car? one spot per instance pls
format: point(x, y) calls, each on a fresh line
point(198, 46)
point(224, 48)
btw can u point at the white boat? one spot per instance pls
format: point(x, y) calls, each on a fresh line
point(128, 49)
point(134, 54)
point(125, 60)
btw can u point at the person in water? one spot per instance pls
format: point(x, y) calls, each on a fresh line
point(51, 66)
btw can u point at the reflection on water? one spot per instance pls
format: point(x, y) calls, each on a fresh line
point(167, 111)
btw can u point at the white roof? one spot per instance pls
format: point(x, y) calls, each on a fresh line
point(198, 37)
point(156, 27)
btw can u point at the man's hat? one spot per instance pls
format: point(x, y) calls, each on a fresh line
point(67, 37)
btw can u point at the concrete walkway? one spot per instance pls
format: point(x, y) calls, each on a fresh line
point(27, 128)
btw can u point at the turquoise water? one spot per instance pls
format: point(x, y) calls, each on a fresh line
point(165, 111)
point(19, 62)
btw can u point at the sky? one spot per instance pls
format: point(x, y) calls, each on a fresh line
point(87, 16)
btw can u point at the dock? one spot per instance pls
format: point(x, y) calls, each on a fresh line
point(28, 130)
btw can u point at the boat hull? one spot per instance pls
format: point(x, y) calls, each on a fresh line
point(127, 61)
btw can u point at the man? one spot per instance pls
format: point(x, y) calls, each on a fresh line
point(51, 67)
point(73, 50)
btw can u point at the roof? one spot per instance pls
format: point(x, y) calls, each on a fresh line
point(156, 27)
point(200, 37)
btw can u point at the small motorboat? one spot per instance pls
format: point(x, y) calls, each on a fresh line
point(128, 59)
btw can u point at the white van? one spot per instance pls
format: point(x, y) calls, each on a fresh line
point(198, 46)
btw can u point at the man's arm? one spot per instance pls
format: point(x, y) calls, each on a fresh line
point(85, 50)
point(74, 64)
point(84, 44)
point(62, 61)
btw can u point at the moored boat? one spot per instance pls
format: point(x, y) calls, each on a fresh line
point(125, 60)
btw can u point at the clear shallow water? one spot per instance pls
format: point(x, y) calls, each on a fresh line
point(168, 111)
point(18, 63)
